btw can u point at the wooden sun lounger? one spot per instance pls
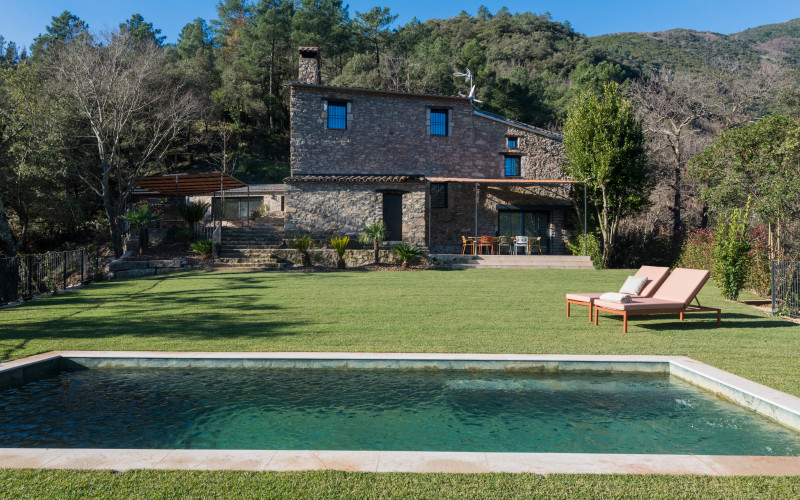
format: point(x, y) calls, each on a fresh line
point(655, 277)
point(675, 295)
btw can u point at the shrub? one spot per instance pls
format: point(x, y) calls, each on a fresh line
point(141, 218)
point(698, 251)
point(760, 278)
point(259, 212)
point(202, 248)
point(302, 244)
point(340, 245)
point(575, 247)
point(407, 252)
point(184, 234)
point(732, 253)
point(193, 212)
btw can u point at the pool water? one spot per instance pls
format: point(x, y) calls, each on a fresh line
point(358, 409)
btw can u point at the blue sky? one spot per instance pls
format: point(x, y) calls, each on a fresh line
point(21, 20)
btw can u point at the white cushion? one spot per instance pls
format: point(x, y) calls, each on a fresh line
point(616, 297)
point(633, 285)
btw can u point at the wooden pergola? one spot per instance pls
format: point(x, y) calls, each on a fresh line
point(158, 186)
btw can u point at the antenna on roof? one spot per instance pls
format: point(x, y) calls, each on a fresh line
point(468, 79)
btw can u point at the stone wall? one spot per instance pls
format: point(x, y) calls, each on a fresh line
point(327, 210)
point(129, 268)
point(387, 135)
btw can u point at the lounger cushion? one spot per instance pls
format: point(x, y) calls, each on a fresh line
point(633, 285)
point(682, 285)
point(584, 297)
point(640, 304)
point(655, 277)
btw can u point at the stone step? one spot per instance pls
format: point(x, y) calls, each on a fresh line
point(521, 266)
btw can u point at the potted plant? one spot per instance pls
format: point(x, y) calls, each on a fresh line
point(340, 245)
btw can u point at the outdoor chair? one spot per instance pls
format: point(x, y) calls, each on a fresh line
point(655, 277)
point(505, 241)
point(486, 242)
point(675, 295)
point(520, 241)
point(467, 243)
point(535, 243)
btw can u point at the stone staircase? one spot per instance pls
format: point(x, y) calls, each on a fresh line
point(517, 261)
point(249, 248)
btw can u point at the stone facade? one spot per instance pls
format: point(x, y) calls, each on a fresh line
point(388, 134)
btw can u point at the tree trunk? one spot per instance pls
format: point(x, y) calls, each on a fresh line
point(271, 68)
point(7, 246)
point(375, 249)
point(341, 264)
point(144, 240)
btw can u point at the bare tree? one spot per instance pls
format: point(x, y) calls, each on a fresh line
point(130, 108)
point(670, 106)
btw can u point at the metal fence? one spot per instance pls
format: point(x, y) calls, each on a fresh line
point(23, 277)
point(786, 288)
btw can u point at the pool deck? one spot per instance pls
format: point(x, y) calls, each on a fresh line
point(777, 405)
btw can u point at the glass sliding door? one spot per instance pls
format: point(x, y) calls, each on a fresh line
point(531, 223)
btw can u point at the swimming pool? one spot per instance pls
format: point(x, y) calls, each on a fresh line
point(504, 405)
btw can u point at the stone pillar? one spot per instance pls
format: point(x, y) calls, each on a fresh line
point(309, 65)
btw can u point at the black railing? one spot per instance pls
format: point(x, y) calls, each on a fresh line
point(202, 232)
point(786, 288)
point(25, 276)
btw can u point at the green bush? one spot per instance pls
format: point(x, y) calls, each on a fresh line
point(184, 234)
point(202, 248)
point(732, 253)
point(340, 245)
point(575, 247)
point(760, 278)
point(407, 252)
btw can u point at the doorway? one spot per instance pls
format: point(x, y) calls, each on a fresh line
point(393, 216)
point(531, 223)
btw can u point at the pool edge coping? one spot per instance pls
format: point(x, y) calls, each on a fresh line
point(777, 405)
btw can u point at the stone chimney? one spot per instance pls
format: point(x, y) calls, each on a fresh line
point(309, 65)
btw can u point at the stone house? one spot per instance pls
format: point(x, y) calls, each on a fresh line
point(432, 167)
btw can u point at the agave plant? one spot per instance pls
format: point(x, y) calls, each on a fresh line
point(302, 244)
point(407, 252)
point(141, 218)
point(202, 248)
point(375, 234)
point(193, 212)
point(340, 245)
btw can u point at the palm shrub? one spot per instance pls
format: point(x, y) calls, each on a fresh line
point(340, 245)
point(302, 244)
point(141, 218)
point(375, 234)
point(407, 252)
point(732, 253)
point(202, 248)
point(193, 212)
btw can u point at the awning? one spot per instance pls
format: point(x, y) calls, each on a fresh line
point(501, 181)
point(157, 186)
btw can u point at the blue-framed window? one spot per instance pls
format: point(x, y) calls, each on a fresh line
point(512, 166)
point(438, 122)
point(438, 195)
point(337, 115)
point(512, 142)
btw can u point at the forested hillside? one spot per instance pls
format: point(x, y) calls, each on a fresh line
point(231, 72)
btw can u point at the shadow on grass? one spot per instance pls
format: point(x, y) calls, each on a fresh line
point(701, 321)
point(217, 313)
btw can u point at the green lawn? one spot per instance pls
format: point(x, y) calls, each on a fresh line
point(486, 311)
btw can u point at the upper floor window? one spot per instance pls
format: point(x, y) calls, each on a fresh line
point(438, 195)
point(512, 166)
point(438, 122)
point(512, 142)
point(337, 115)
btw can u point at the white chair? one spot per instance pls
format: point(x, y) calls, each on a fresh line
point(521, 241)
